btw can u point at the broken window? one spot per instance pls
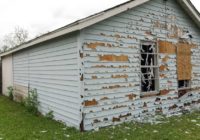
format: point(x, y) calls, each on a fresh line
point(182, 84)
point(149, 66)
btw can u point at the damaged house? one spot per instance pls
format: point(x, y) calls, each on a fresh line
point(137, 59)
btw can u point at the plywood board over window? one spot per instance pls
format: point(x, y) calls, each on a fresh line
point(184, 67)
point(166, 47)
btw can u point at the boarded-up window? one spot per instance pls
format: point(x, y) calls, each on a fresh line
point(184, 67)
point(183, 52)
point(166, 47)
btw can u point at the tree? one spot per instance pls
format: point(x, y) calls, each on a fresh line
point(16, 38)
point(4, 48)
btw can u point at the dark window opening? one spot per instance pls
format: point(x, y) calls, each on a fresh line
point(149, 68)
point(147, 48)
point(147, 59)
point(148, 80)
point(183, 84)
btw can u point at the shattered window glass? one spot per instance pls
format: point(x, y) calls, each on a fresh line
point(183, 83)
point(149, 67)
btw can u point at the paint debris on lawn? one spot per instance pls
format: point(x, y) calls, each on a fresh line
point(17, 124)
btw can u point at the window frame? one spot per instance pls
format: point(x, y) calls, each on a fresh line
point(156, 66)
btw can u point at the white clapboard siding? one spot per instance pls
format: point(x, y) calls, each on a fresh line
point(121, 35)
point(52, 69)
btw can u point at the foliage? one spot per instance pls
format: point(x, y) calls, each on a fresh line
point(49, 115)
point(10, 92)
point(15, 38)
point(31, 102)
point(18, 124)
point(4, 48)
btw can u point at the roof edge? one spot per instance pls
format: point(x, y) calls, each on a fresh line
point(191, 10)
point(88, 21)
point(78, 25)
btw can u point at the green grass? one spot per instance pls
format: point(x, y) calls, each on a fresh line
point(17, 124)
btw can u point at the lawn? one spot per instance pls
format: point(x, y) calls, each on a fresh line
point(17, 124)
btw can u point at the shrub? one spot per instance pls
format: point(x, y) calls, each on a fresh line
point(31, 102)
point(10, 92)
point(49, 115)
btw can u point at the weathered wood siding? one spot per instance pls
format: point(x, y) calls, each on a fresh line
point(52, 69)
point(111, 56)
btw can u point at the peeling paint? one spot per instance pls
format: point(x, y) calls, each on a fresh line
point(82, 77)
point(125, 116)
point(114, 58)
point(116, 119)
point(95, 45)
point(94, 77)
point(163, 68)
point(165, 59)
point(131, 96)
point(112, 68)
point(149, 95)
point(81, 55)
point(173, 107)
point(164, 92)
point(112, 87)
point(163, 75)
point(120, 76)
point(91, 103)
point(103, 66)
point(117, 106)
point(104, 98)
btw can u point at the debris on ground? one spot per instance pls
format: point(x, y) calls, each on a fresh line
point(66, 135)
point(155, 131)
point(194, 121)
point(186, 132)
point(44, 131)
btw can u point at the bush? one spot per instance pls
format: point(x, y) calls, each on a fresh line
point(49, 115)
point(31, 102)
point(10, 92)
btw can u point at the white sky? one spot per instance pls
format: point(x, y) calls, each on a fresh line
point(40, 16)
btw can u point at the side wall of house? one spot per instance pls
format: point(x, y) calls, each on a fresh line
point(52, 69)
point(7, 73)
point(111, 54)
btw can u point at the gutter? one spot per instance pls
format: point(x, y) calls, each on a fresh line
point(191, 10)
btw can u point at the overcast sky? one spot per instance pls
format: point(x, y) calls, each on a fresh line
point(40, 16)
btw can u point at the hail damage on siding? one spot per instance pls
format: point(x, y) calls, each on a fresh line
point(111, 53)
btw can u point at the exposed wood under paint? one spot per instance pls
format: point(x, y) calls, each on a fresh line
point(107, 75)
point(114, 58)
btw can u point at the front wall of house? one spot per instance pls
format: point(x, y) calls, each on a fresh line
point(111, 55)
point(52, 69)
point(7, 73)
